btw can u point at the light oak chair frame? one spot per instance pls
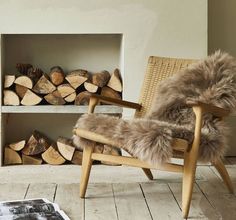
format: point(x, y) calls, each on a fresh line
point(161, 68)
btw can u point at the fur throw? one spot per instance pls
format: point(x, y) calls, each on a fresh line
point(212, 80)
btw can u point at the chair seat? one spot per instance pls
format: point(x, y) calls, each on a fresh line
point(178, 144)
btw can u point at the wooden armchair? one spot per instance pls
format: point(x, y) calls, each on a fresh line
point(158, 69)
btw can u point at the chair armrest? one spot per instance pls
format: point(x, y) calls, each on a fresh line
point(116, 102)
point(209, 108)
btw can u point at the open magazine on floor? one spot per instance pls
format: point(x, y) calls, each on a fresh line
point(31, 209)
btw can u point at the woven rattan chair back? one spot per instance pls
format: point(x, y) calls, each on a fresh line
point(158, 68)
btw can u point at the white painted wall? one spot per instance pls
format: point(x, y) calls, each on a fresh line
point(222, 35)
point(154, 27)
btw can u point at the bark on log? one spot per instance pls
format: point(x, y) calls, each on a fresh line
point(57, 75)
point(82, 98)
point(31, 160)
point(44, 86)
point(108, 92)
point(34, 74)
point(77, 157)
point(65, 89)
point(37, 144)
point(24, 81)
point(54, 98)
point(11, 157)
point(65, 148)
point(23, 68)
point(10, 98)
point(115, 82)
point(20, 90)
point(30, 98)
point(17, 146)
point(52, 156)
point(101, 79)
point(77, 77)
point(109, 150)
point(71, 97)
point(90, 87)
point(9, 80)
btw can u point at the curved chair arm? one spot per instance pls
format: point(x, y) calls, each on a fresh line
point(94, 99)
point(209, 108)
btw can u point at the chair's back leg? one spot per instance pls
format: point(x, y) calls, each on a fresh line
point(219, 165)
point(86, 167)
point(148, 173)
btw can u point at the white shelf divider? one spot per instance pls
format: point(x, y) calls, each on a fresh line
point(70, 109)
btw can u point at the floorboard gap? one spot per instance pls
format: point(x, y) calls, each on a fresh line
point(146, 201)
point(117, 215)
point(180, 207)
point(26, 191)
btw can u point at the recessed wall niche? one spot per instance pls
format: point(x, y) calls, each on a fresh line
point(93, 52)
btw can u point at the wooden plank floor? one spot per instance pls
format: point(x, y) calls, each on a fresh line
point(124, 197)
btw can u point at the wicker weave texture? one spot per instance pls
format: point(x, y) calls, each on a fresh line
point(158, 68)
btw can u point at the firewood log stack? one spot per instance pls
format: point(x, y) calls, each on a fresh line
point(31, 86)
point(40, 149)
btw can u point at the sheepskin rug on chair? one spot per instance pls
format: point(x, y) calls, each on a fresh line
point(212, 81)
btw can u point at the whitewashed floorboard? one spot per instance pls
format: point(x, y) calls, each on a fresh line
point(67, 197)
point(160, 201)
point(130, 202)
point(12, 191)
point(200, 207)
point(41, 190)
point(99, 202)
point(218, 194)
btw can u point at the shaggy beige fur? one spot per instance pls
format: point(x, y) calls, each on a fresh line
point(212, 80)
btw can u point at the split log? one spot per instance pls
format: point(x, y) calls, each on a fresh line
point(24, 81)
point(30, 98)
point(17, 146)
point(77, 77)
point(82, 98)
point(31, 160)
point(109, 150)
point(77, 158)
point(54, 98)
point(101, 79)
point(65, 148)
point(71, 97)
point(9, 80)
point(10, 98)
point(20, 90)
point(23, 68)
point(11, 157)
point(52, 156)
point(34, 74)
point(37, 144)
point(115, 81)
point(65, 90)
point(108, 92)
point(90, 87)
point(57, 75)
point(44, 86)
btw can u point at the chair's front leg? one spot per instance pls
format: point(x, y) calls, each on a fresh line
point(86, 167)
point(190, 164)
